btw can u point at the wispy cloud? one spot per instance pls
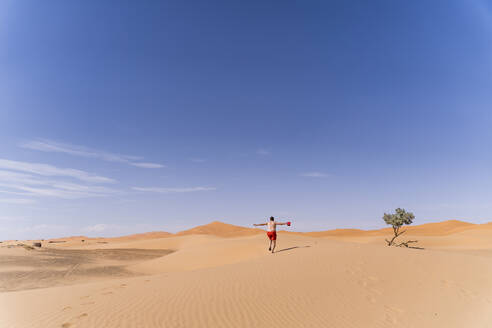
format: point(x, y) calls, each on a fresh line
point(17, 200)
point(96, 228)
point(263, 152)
point(147, 165)
point(173, 190)
point(10, 192)
point(76, 150)
point(315, 175)
point(16, 231)
point(42, 180)
point(59, 192)
point(198, 160)
point(11, 218)
point(50, 170)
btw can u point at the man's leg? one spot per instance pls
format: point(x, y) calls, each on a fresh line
point(270, 248)
point(274, 244)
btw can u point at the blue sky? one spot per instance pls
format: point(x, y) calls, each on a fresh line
point(119, 117)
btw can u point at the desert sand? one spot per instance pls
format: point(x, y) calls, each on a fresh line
point(220, 275)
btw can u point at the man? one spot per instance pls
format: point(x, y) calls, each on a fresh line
point(272, 231)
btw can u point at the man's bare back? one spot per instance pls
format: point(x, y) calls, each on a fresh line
point(272, 231)
point(271, 226)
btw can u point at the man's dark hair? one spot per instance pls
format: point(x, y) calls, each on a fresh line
point(271, 218)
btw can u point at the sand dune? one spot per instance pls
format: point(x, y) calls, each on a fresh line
point(427, 229)
point(26, 269)
point(225, 230)
point(346, 279)
point(146, 235)
point(221, 229)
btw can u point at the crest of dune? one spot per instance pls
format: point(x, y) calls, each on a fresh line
point(428, 229)
point(442, 228)
point(338, 232)
point(147, 235)
point(220, 229)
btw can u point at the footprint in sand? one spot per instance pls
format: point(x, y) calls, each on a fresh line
point(88, 303)
point(352, 271)
point(66, 308)
point(69, 324)
point(391, 319)
point(107, 293)
point(394, 309)
point(84, 297)
point(448, 283)
point(467, 293)
point(123, 285)
point(392, 314)
point(375, 291)
point(147, 280)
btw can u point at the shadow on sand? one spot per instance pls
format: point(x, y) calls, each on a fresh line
point(290, 248)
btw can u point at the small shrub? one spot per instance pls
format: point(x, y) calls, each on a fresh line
point(397, 220)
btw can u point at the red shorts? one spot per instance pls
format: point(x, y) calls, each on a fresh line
point(272, 235)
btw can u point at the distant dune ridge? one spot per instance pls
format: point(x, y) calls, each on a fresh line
point(148, 235)
point(221, 229)
point(226, 230)
point(222, 275)
point(426, 229)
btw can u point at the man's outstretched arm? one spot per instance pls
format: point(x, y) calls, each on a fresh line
point(259, 224)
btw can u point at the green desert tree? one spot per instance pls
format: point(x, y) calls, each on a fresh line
point(397, 220)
